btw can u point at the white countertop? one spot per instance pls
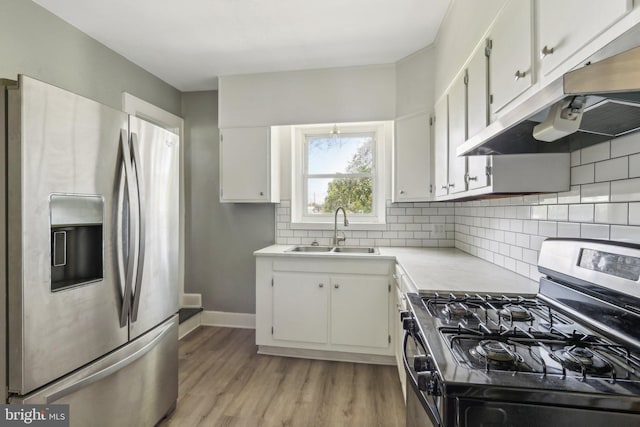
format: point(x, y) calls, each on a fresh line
point(450, 269)
point(436, 269)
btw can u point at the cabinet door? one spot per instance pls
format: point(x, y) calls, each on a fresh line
point(511, 53)
point(412, 159)
point(300, 307)
point(568, 25)
point(360, 311)
point(245, 160)
point(457, 135)
point(477, 115)
point(441, 147)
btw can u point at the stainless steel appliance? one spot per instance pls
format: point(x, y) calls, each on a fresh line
point(91, 200)
point(569, 355)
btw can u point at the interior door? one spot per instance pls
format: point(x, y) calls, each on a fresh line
point(60, 144)
point(155, 286)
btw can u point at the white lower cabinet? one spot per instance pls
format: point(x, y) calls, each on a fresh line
point(300, 307)
point(327, 307)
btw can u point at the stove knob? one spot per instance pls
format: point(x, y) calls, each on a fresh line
point(432, 385)
point(424, 378)
point(428, 364)
point(420, 363)
point(409, 324)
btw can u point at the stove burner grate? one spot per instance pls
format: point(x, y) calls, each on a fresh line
point(583, 360)
point(515, 312)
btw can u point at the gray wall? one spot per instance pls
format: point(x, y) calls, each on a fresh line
point(220, 238)
point(39, 44)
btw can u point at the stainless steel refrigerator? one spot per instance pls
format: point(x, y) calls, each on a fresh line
point(90, 197)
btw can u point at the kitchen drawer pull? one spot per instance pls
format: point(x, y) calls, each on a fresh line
point(321, 285)
point(336, 286)
point(520, 75)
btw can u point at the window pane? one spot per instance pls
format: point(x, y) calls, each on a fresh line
point(355, 195)
point(343, 154)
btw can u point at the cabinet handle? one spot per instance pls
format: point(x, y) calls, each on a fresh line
point(470, 178)
point(321, 285)
point(401, 191)
point(453, 184)
point(336, 286)
point(261, 193)
point(444, 187)
point(546, 51)
point(519, 74)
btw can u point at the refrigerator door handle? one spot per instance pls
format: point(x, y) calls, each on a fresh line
point(111, 369)
point(141, 225)
point(131, 189)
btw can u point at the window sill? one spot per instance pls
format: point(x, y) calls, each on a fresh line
point(362, 226)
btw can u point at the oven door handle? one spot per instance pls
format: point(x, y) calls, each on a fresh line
point(429, 407)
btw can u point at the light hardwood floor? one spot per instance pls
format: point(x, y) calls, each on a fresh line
point(224, 382)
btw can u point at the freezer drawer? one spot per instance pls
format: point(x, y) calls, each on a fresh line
point(134, 386)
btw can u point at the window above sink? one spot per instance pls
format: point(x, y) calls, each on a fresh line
point(339, 165)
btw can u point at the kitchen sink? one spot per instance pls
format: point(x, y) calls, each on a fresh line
point(355, 250)
point(310, 249)
point(337, 249)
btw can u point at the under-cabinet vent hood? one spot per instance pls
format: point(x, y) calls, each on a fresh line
point(603, 97)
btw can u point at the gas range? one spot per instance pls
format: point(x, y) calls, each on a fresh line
point(571, 352)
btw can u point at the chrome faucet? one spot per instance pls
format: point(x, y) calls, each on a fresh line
point(336, 239)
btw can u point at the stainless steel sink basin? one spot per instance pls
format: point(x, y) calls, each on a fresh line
point(354, 250)
point(337, 249)
point(310, 249)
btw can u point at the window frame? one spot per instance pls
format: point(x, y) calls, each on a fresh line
point(300, 175)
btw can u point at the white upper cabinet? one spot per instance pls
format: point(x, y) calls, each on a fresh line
point(441, 146)
point(412, 159)
point(511, 60)
point(477, 114)
point(564, 27)
point(249, 168)
point(457, 134)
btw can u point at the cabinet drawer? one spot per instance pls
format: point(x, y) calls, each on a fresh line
point(319, 265)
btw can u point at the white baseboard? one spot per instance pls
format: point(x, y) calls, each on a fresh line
point(336, 356)
point(189, 325)
point(229, 320)
point(191, 301)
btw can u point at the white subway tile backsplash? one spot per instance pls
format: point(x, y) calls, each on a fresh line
point(625, 145)
point(558, 212)
point(571, 196)
point(594, 193)
point(625, 233)
point(612, 213)
point(568, 229)
point(548, 228)
point(523, 240)
point(575, 158)
point(627, 190)
point(634, 166)
point(539, 212)
point(548, 199)
point(594, 231)
point(595, 153)
point(581, 213)
point(583, 174)
point(612, 169)
point(634, 213)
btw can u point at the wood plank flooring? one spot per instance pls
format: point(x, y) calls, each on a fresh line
point(224, 382)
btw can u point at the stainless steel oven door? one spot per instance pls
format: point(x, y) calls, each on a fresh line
point(422, 407)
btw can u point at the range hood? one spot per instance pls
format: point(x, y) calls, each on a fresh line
point(607, 90)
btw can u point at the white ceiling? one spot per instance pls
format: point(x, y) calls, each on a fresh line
point(190, 43)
